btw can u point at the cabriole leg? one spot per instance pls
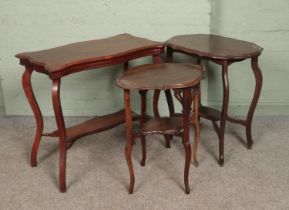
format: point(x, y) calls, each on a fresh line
point(142, 120)
point(196, 124)
point(186, 135)
point(224, 111)
point(61, 132)
point(26, 82)
point(258, 86)
point(129, 137)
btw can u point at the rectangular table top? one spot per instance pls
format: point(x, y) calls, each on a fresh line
point(59, 58)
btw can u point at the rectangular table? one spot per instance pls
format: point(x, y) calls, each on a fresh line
point(65, 60)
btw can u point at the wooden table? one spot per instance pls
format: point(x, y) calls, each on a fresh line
point(183, 78)
point(223, 51)
point(65, 60)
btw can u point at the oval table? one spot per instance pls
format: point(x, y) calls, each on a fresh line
point(223, 51)
point(184, 79)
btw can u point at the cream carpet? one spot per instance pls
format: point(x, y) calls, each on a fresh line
point(97, 174)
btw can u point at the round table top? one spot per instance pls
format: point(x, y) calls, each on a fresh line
point(161, 76)
point(213, 46)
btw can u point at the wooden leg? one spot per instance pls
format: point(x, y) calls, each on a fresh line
point(196, 124)
point(170, 55)
point(142, 120)
point(168, 139)
point(26, 82)
point(169, 98)
point(170, 102)
point(224, 114)
point(129, 137)
point(186, 136)
point(155, 103)
point(61, 132)
point(199, 62)
point(258, 87)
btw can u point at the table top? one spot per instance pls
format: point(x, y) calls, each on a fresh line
point(161, 76)
point(213, 46)
point(58, 58)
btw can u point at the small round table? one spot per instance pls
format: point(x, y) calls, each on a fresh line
point(184, 79)
point(223, 51)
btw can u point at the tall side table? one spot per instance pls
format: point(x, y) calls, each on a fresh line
point(65, 60)
point(185, 80)
point(223, 51)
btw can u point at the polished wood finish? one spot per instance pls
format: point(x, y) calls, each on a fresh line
point(180, 77)
point(62, 61)
point(223, 51)
point(214, 47)
point(143, 119)
point(163, 126)
point(196, 122)
point(94, 125)
point(169, 77)
point(27, 87)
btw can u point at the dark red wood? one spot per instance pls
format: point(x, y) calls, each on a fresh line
point(163, 126)
point(108, 51)
point(26, 82)
point(196, 122)
point(211, 46)
point(258, 86)
point(223, 51)
point(182, 77)
point(61, 132)
point(224, 111)
point(94, 125)
point(129, 137)
point(143, 94)
point(186, 135)
point(65, 60)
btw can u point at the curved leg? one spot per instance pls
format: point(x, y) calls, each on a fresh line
point(258, 87)
point(157, 59)
point(196, 125)
point(186, 136)
point(61, 132)
point(155, 103)
point(26, 82)
point(224, 111)
point(142, 120)
point(129, 137)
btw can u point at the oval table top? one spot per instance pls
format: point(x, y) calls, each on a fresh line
point(161, 76)
point(213, 46)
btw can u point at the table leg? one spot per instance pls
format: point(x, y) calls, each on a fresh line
point(26, 82)
point(258, 86)
point(142, 120)
point(129, 137)
point(61, 132)
point(186, 135)
point(224, 113)
point(157, 59)
point(196, 124)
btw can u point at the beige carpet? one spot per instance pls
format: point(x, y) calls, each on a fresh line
point(97, 174)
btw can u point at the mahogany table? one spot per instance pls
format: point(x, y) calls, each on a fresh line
point(65, 60)
point(223, 51)
point(183, 78)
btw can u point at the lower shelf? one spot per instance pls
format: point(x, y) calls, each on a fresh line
point(209, 113)
point(93, 125)
point(163, 126)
